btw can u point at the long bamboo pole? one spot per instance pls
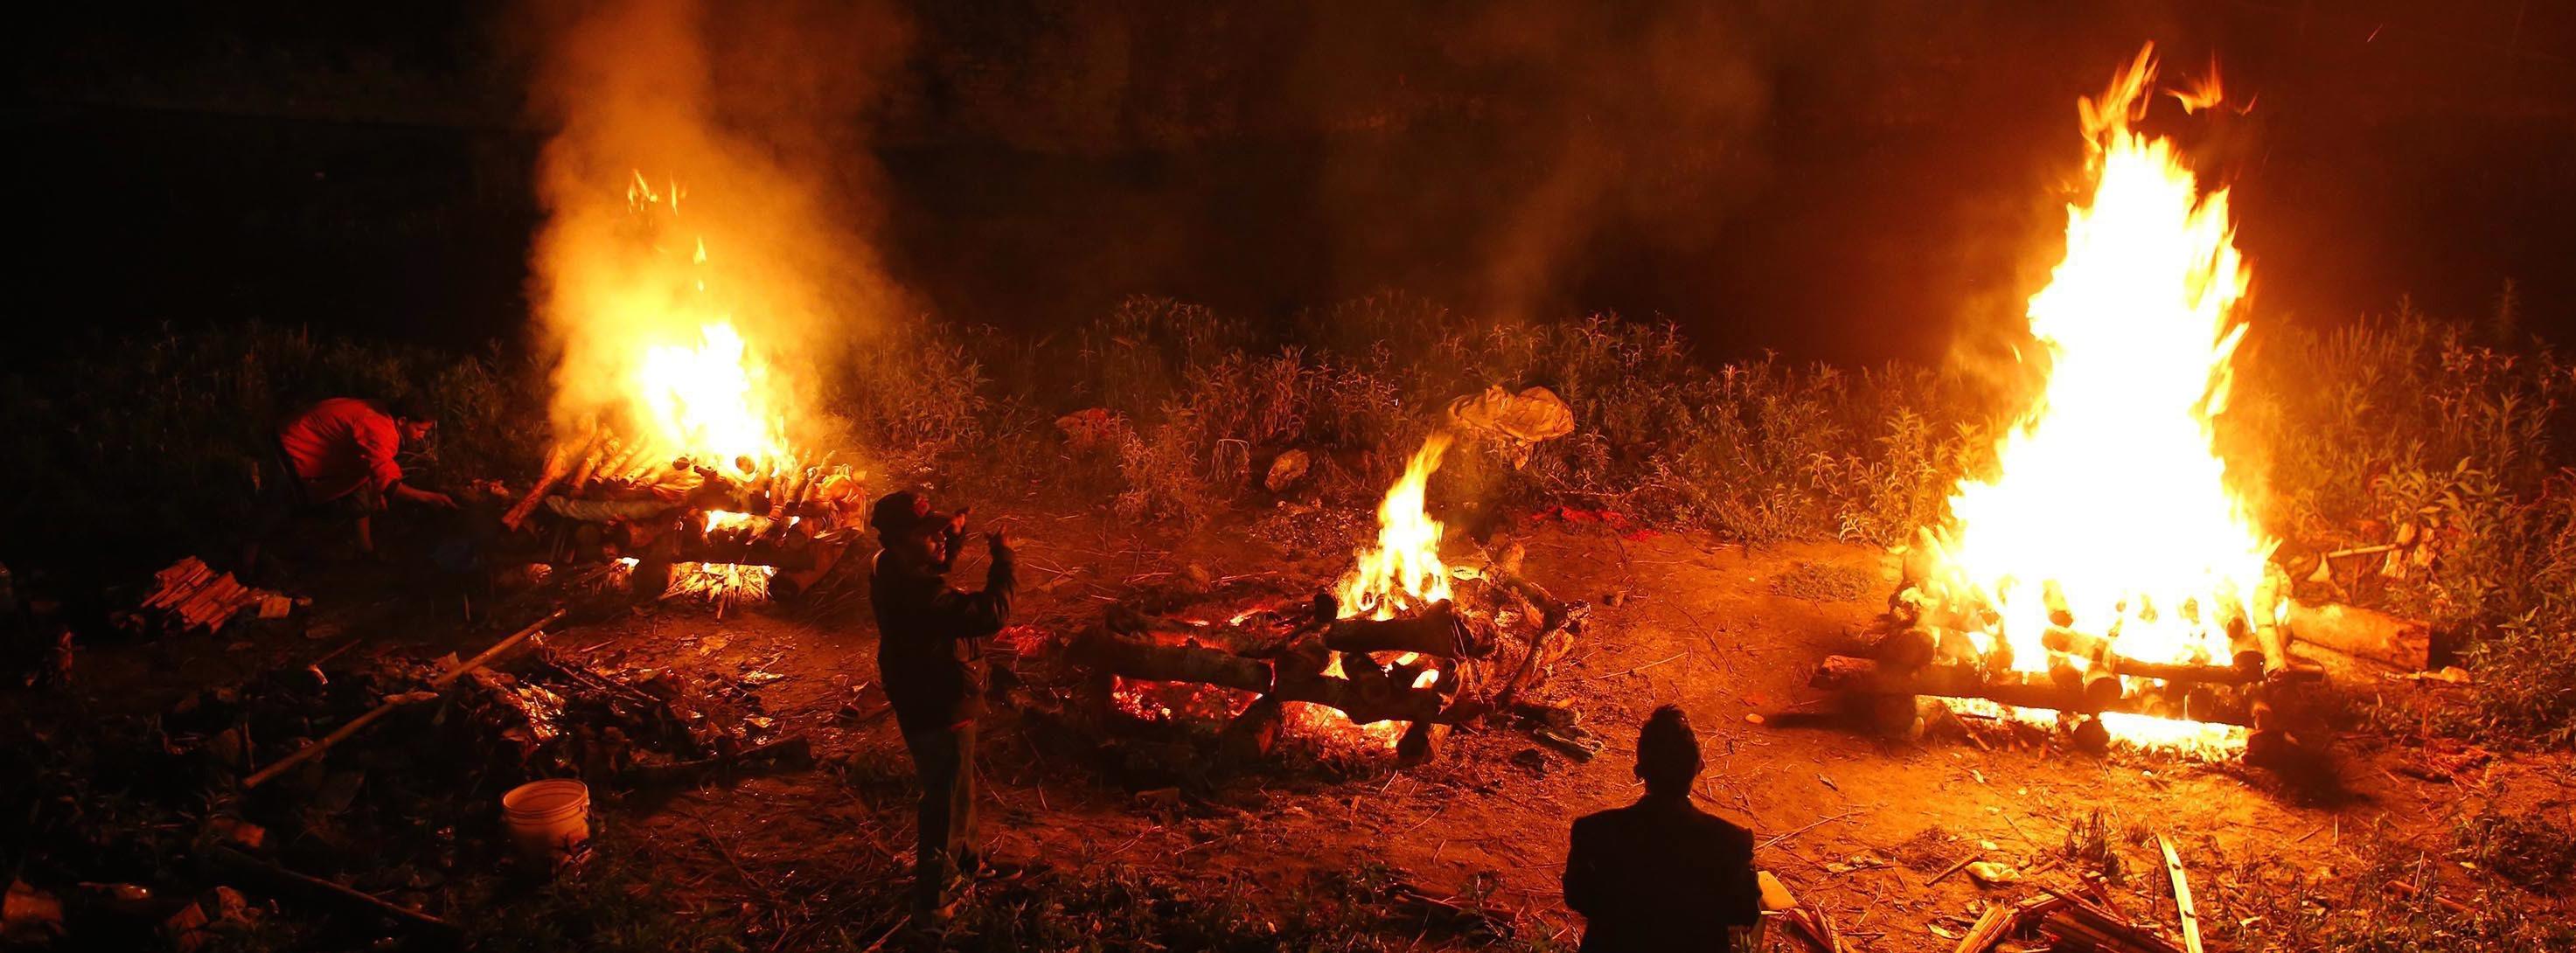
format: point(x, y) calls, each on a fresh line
point(355, 725)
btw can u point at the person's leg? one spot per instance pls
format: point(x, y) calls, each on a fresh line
point(934, 760)
point(961, 805)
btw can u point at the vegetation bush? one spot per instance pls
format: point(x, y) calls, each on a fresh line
point(2445, 440)
point(133, 449)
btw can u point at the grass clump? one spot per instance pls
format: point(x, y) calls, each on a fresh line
point(1816, 582)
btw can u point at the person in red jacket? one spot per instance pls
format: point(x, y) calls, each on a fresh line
point(341, 449)
point(1661, 874)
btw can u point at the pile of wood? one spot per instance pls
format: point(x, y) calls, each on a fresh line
point(189, 595)
point(1488, 649)
point(616, 498)
point(2075, 923)
point(1931, 646)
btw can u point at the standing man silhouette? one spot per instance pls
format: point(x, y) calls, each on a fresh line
point(1661, 874)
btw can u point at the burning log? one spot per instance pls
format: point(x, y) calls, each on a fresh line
point(589, 465)
point(1436, 631)
point(1255, 733)
point(1363, 705)
point(558, 464)
point(1138, 659)
point(1866, 676)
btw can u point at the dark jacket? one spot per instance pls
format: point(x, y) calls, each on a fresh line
point(925, 632)
point(1659, 875)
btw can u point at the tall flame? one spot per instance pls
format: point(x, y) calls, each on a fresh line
point(1404, 571)
point(709, 399)
point(2111, 509)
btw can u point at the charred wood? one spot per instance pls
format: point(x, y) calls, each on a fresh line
point(1138, 659)
point(1435, 631)
point(1847, 673)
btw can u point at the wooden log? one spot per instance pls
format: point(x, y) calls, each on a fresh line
point(1139, 659)
point(1421, 741)
point(1907, 649)
point(2364, 633)
point(1254, 734)
point(1989, 930)
point(1866, 676)
point(318, 889)
point(344, 732)
point(1364, 706)
point(1433, 631)
point(2080, 920)
point(589, 465)
point(1531, 673)
point(2239, 674)
point(2267, 626)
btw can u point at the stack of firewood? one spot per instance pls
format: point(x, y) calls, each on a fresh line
point(1488, 649)
point(601, 465)
point(191, 595)
point(1934, 642)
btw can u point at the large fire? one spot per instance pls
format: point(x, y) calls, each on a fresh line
point(2110, 513)
point(1404, 571)
point(699, 403)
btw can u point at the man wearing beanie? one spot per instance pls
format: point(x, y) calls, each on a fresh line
point(926, 654)
point(1661, 874)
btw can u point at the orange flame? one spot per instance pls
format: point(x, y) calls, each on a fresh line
point(2111, 506)
point(1404, 571)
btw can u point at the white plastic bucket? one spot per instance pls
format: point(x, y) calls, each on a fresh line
point(546, 817)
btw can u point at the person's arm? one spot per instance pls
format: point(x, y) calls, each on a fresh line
point(412, 494)
point(977, 614)
point(377, 444)
point(1743, 902)
point(1583, 876)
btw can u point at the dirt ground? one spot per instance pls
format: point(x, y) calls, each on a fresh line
point(1852, 823)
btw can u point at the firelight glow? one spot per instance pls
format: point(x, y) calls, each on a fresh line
point(708, 399)
point(2110, 505)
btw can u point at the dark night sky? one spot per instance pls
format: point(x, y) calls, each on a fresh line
point(1860, 182)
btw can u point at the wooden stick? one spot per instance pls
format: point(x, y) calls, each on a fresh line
point(2182, 896)
point(317, 887)
point(1952, 869)
point(308, 752)
point(1989, 929)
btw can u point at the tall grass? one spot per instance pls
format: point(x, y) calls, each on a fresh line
point(2448, 440)
point(138, 448)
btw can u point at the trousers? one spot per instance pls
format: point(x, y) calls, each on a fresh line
point(944, 761)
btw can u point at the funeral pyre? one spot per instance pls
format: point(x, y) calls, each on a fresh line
point(681, 468)
point(2106, 575)
point(1401, 649)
